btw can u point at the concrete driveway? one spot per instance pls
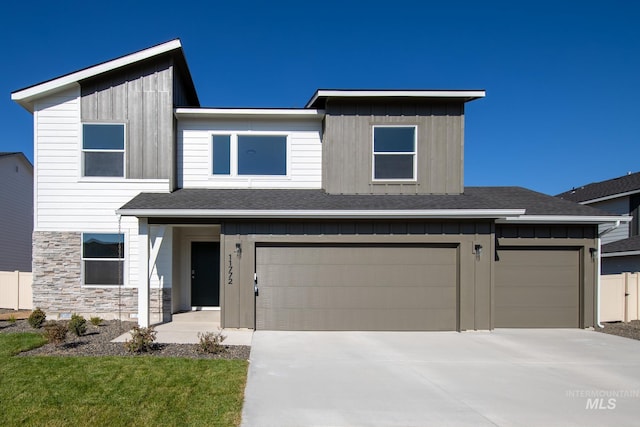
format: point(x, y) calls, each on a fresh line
point(507, 377)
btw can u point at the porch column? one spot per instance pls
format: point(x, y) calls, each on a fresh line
point(143, 273)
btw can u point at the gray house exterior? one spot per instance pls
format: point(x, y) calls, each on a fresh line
point(620, 244)
point(347, 214)
point(16, 211)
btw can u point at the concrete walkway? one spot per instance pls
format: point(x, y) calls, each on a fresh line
point(502, 378)
point(184, 328)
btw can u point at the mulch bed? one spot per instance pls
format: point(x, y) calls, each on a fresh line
point(97, 342)
point(621, 329)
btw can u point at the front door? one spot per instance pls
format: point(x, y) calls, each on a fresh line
point(205, 274)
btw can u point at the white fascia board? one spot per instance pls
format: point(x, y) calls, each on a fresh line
point(202, 113)
point(614, 254)
point(397, 94)
point(318, 214)
point(25, 97)
point(563, 219)
point(613, 196)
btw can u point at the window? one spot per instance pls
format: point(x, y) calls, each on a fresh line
point(103, 150)
point(103, 258)
point(237, 155)
point(394, 153)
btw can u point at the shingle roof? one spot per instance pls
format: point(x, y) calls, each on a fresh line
point(597, 190)
point(625, 245)
point(274, 199)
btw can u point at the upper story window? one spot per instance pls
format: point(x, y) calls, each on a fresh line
point(103, 259)
point(238, 155)
point(103, 149)
point(394, 153)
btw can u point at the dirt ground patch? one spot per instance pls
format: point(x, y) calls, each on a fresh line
point(622, 329)
point(6, 313)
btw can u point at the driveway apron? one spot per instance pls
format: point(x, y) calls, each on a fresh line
point(507, 377)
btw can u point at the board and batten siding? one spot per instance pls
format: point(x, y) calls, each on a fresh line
point(64, 200)
point(618, 206)
point(348, 145)
point(16, 211)
point(142, 98)
point(304, 160)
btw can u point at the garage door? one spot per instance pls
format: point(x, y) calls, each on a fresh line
point(407, 288)
point(537, 288)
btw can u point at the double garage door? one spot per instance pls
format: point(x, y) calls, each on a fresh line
point(408, 288)
point(355, 287)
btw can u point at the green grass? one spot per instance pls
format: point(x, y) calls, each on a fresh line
point(116, 391)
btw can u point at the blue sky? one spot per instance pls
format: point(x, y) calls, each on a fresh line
point(562, 77)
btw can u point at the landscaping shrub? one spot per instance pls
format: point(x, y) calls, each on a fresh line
point(37, 318)
point(78, 325)
point(211, 342)
point(142, 340)
point(95, 321)
point(55, 332)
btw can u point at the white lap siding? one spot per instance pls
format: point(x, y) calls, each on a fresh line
point(64, 200)
point(304, 154)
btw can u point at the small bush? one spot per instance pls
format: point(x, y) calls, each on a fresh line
point(37, 318)
point(142, 340)
point(55, 332)
point(77, 325)
point(95, 321)
point(211, 342)
point(12, 319)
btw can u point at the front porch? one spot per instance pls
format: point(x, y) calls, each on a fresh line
point(184, 329)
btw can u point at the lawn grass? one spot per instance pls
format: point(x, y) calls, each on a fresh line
point(117, 391)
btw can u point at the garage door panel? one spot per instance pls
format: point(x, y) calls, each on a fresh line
point(537, 288)
point(347, 319)
point(350, 255)
point(539, 317)
point(357, 288)
point(359, 298)
point(357, 275)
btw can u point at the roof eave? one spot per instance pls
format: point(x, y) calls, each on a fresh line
point(320, 214)
point(465, 95)
point(26, 96)
point(289, 113)
point(563, 219)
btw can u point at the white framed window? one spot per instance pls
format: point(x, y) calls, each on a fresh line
point(103, 149)
point(394, 153)
point(249, 155)
point(103, 259)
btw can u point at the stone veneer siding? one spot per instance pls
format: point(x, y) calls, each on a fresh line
point(57, 281)
point(159, 313)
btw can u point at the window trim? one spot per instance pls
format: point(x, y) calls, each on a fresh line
point(95, 150)
point(124, 260)
point(414, 153)
point(233, 153)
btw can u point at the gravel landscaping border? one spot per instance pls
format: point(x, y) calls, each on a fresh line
point(622, 329)
point(97, 342)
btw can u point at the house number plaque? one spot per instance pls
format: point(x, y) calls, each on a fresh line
point(230, 271)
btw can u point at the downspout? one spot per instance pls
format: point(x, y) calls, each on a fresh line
point(599, 268)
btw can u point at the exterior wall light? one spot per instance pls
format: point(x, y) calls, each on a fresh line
point(238, 249)
point(477, 248)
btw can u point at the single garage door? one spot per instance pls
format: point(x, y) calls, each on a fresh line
point(355, 287)
point(537, 288)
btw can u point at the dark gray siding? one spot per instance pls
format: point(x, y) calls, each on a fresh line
point(347, 146)
point(141, 96)
point(621, 264)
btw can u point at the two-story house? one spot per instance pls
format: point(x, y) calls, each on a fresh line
point(621, 242)
point(347, 214)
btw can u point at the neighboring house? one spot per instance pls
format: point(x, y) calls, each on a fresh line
point(347, 214)
point(621, 244)
point(16, 211)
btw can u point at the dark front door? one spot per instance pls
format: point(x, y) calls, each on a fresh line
point(205, 274)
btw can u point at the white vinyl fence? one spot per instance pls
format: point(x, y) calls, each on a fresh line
point(619, 297)
point(15, 290)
